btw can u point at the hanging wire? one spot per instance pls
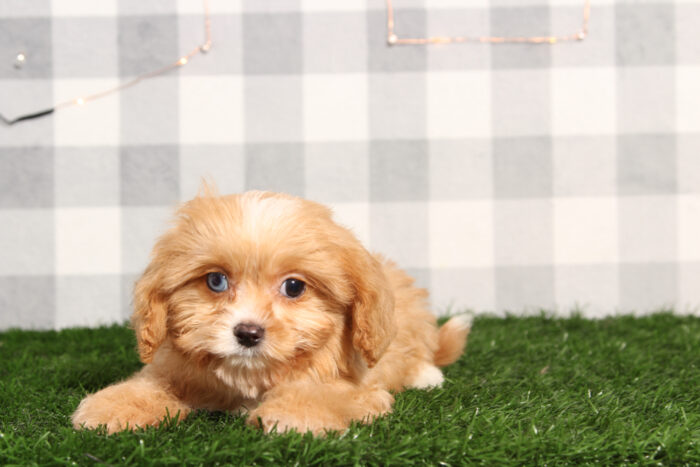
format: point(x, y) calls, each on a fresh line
point(82, 100)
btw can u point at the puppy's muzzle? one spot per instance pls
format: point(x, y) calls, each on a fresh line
point(248, 334)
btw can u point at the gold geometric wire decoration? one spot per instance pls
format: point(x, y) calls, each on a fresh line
point(393, 39)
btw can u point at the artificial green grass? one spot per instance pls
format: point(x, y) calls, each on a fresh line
point(531, 390)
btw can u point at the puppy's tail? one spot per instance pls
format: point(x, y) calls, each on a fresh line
point(452, 337)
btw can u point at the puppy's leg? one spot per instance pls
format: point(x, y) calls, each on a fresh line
point(308, 406)
point(137, 402)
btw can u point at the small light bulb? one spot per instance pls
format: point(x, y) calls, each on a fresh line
point(182, 61)
point(392, 39)
point(20, 60)
point(80, 101)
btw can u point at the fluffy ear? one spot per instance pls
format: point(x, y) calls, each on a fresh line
point(373, 326)
point(150, 313)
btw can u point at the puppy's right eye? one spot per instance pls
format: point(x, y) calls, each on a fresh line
point(292, 288)
point(217, 282)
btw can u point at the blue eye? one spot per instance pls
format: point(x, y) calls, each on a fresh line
point(217, 282)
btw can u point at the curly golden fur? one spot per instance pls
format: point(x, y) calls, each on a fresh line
point(359, 330)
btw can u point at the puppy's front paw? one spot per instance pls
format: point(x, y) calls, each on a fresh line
point(374, 403)
point(335, 412)
point(271, 417)
point(95, 411)
point(130, 404)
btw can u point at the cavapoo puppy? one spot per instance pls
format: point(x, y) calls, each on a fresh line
point(260, 303)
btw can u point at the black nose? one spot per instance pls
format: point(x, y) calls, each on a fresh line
point(248, 334)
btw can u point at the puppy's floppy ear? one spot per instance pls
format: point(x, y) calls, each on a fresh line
point(373, 325)
point(150, 313)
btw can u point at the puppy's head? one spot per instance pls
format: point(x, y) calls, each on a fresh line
point(261, 278)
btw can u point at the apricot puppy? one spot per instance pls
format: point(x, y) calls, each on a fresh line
point(260, 303)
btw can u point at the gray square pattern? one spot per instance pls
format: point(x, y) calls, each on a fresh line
point(522, 167)
point(225, 29)
point(521, 21)
point(272, 108)
point(454, 23)
point(596, 49)
point(74, 41)
point(584, 166)
point(460, 169)
point(525, 288)
point(32, 37)
point(645, 34)
point(146, 42)
point(20, 308)
point(337, 172)
point(398, 171)
point(275, 167)
point(329, 48)
point(149, 175)
point(86, 176)
point(383, 58)
point(272, 44)
point(26, 177)
point(520, 102)
point(148, 114)
point(511, 177)
point(646, 164)
point(398, 105)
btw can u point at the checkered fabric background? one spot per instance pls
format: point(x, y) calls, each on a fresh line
point(504, 177)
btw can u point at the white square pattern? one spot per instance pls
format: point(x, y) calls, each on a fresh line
point(688, 98)
point(458, 104)
point(585, 230)
point(689, 227)
point(461, 234)
point(647, 229)
point(90, 123)
point(88, 240)
point(335, 107)
point(354, 216)
point(583, 101)
point(645, 100)
point(211, 109)
point(141, 228)
point(25, 247)
point(399, 231)
point(523, 232)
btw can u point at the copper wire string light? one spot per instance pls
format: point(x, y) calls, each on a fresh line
point(393, 39)
point(82, 100)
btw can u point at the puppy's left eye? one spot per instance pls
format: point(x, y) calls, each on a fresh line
point(292, 288)
point(217, 282)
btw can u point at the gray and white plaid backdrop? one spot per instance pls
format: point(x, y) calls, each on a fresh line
point(504, 177)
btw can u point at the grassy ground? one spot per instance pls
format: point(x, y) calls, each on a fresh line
point(529, 390)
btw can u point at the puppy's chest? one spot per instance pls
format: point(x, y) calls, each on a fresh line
point(246, 383)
